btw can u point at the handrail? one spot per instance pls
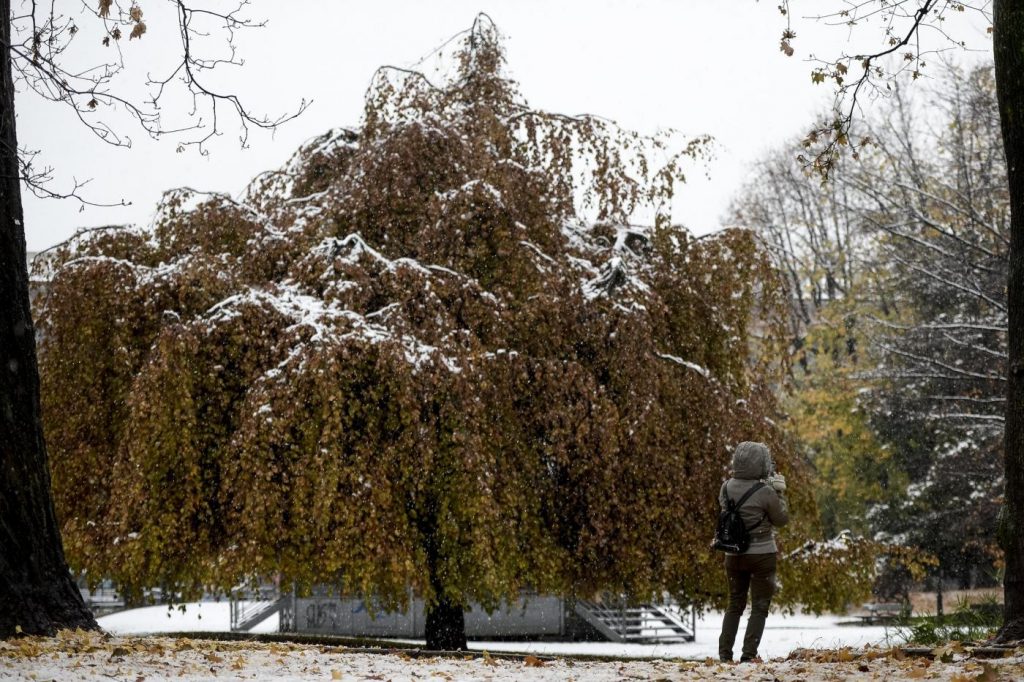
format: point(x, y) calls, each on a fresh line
point(621, 621)
point(249, 607)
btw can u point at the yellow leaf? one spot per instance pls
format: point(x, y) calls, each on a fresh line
point(488, 659)
point(988, 673)
point(945, 653)
point(335, 674)
point(18, 630)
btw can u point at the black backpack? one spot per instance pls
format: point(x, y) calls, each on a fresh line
point(731, 534)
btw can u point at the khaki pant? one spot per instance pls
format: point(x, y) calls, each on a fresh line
point(756, 573)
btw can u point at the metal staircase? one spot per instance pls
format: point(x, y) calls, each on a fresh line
point(621, 621)
point(249, 609)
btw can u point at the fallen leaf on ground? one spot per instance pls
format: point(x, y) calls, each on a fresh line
point(988, 673)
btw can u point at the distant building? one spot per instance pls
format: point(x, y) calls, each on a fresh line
point(532, 616)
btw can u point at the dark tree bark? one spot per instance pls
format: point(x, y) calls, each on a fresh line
point(37, 594)
point(1008, 44)
point(446, 627)
point(446, 621)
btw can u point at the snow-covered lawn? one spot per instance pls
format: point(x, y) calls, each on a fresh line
point(782, 634)
point(207, 616)
point(81, 656)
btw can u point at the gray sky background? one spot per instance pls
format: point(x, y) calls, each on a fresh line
point(699, 66)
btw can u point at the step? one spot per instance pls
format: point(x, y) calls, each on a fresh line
point(252, 617)
point(636, 623)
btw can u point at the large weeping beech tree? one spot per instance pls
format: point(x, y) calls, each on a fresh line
point(37, 592)
point(432, 352)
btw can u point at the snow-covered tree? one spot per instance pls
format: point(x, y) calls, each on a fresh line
point(941, 216)
point(897, 271)
point(432, 351)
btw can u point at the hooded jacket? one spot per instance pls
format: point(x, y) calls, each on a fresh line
point(765, 509)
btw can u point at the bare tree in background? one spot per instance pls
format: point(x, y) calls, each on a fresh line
point(37, 593)
point(938, 212)
point(921, 324)
point(903, 23)
point(814, 243)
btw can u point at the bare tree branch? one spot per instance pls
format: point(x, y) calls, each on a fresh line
point(41, 62)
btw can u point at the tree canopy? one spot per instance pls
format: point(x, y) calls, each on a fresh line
point(432, 351)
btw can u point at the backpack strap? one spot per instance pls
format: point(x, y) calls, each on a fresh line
point(759, 522)
point(757, 486)
point(736, 505)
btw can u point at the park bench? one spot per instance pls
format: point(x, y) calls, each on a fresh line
point(882, 612)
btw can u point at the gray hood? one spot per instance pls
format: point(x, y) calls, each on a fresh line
point(751, 461)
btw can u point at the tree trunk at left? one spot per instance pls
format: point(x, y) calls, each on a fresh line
point(37, 594)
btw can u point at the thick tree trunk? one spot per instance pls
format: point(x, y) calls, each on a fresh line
point(446, 627)
point(446, 621)
point(1008, 43)
point(37, 594)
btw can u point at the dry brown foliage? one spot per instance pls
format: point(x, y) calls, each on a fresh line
point(407, 358)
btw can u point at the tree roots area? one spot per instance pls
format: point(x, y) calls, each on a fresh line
point(96, 656)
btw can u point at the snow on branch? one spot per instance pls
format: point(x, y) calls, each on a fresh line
point(703, 371)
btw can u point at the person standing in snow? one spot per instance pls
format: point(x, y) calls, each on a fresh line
point(754, 570)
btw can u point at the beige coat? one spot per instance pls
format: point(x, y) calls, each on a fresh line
point(763, 511)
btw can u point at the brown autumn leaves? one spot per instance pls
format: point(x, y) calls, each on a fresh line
point(406, 360)
point(133, 18)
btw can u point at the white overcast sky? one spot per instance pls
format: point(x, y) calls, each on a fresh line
point(699, 66)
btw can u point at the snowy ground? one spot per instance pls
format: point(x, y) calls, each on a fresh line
point(81, 656)
point(207, 616)
point(782, 633)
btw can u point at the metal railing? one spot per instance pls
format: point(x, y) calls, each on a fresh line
point(250, 607)
point(619, 620)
